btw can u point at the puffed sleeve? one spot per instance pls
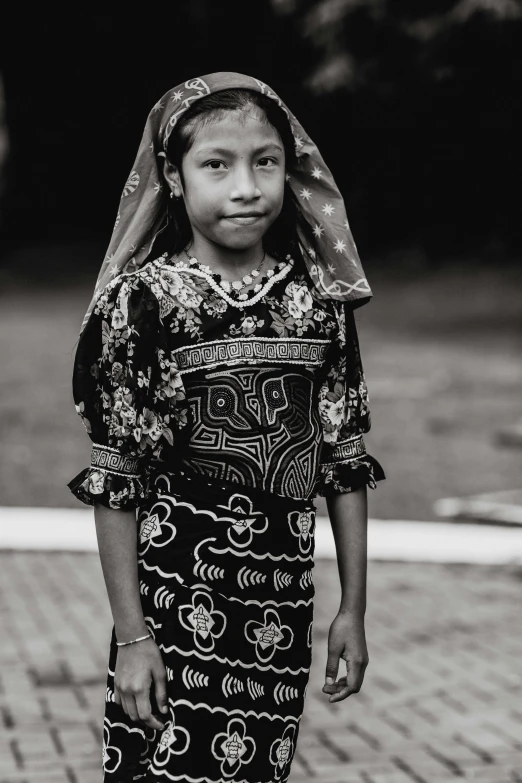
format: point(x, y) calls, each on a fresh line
point(128, 394)
point(345, 415)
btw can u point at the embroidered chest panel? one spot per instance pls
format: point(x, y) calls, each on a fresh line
point(256, 427)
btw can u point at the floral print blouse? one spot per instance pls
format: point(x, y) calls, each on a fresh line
point(169, 373)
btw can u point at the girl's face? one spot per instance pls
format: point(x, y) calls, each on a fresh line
point(234, 178)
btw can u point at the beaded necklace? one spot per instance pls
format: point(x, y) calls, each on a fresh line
point(224, 288)
point(236, 285)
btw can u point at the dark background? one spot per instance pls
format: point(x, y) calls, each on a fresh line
point(415, 106)
point(416, 109)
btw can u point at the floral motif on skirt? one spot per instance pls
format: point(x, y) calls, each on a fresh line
point(227, 591)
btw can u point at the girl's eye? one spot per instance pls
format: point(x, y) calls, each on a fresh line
point(267, 163)
point(215, 164)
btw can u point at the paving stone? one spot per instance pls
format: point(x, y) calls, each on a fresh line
point(440, 700)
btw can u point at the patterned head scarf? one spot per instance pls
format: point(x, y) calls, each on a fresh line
point(334, 266)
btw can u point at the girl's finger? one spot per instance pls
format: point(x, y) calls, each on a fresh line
point(345, 686)
point(160, 691)
point(355, 675)
point(342, 694)
point(342, 690)
point(332, 666)
point(117, 696)
point(130, 707)
point(145, 713)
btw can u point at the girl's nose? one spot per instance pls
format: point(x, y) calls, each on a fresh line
point(245, 186)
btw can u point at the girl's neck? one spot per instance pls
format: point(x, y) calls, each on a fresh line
point(230, 264)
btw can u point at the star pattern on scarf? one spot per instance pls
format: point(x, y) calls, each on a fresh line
point(317, 173)
point(318, 231)
point(339, 246)
point(306, 194)
point(177, 95)
point(328, 209)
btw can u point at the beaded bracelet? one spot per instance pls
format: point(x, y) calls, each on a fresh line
point(140, 639)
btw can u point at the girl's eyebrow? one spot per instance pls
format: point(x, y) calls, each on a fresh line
point(225, 151)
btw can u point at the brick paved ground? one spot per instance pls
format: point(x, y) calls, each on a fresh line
point(441, 700)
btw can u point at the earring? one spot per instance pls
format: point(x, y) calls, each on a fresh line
point(172, 194)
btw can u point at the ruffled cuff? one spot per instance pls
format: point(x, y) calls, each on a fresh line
point(112, 480)
point(345, 466)
point(341, 477)
point(93, 485)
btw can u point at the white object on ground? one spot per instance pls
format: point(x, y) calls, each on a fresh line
point(388, 539)
point(504, 506)
point(70, 529)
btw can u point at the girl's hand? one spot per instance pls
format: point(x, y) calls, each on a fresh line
point(346, 640)
point(137, 666)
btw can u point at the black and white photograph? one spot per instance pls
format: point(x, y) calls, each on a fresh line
point(261, 392)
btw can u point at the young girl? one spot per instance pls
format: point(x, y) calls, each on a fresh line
point(218, 375)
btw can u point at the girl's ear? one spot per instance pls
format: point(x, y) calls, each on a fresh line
point(171, 174)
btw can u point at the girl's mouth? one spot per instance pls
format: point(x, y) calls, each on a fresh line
point(245, 218)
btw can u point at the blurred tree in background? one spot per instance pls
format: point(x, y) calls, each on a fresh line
point(423, 104)
point(415, 105)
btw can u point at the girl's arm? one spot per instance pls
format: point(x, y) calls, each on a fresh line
point(117, 545)
point(345, 471)
point(119, 382)
point(137, 665)
point(349, 519)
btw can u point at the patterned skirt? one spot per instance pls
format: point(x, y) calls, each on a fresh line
point(227, 591)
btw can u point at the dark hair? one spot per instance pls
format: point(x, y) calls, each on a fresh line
point(281, 238)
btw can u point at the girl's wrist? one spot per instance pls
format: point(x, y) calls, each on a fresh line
point(352, 613)
point(127, 632)
point(133, 642)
